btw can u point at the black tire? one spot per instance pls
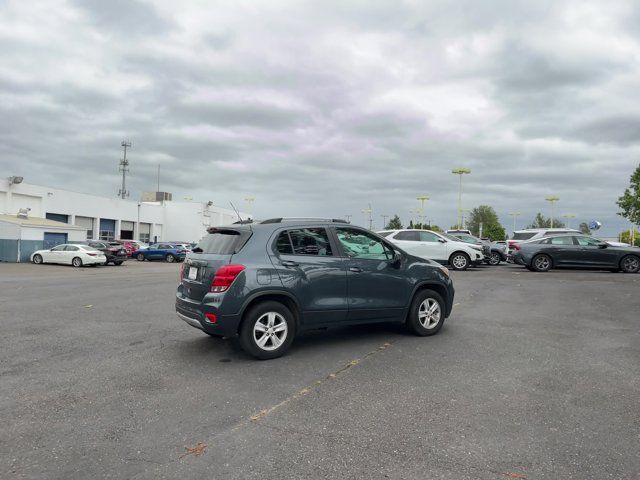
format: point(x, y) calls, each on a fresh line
point(419, 320)
point(249, 337)
point(118, 263)
point(630, 264)
point(37, 259)
point(140, 257)
point(459, 261)
point(495, 259)
point(541, 263)
point(76, 262)
point(170, 258)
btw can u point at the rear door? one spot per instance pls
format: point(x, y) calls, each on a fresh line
point(408, 240)
point(307, 264)
point(561, 249)
point(377, 289)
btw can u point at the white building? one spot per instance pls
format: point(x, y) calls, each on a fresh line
point(104, 218)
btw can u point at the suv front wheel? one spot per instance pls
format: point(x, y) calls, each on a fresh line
point(267, 330)
point(459, 261)
point(426, 315)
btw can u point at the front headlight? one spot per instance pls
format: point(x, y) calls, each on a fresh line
point(444, 270)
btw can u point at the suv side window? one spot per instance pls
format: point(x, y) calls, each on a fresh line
point(428, 237)
point(409, 236)
point(304, 241)
point(71, 248)
point(359, 244)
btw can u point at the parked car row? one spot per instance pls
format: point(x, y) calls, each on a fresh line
point(94, 252)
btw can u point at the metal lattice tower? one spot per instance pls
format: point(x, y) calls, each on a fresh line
point(124, 168)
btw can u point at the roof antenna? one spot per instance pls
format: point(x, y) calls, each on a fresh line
point(239, 217)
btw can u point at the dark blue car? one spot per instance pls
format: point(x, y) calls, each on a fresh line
point(268, 281)
point(161, 251)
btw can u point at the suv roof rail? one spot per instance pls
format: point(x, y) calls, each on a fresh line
point(303, 219)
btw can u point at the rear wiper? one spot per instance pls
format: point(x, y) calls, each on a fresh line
point(197, 250)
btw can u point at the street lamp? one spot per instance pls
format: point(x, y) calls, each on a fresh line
point(552, 199)
point(514, 215)
point(422, 199)
point(568, 216)
point(460, 172)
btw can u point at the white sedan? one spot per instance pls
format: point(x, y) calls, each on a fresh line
point(440, 247)
point(76, 255)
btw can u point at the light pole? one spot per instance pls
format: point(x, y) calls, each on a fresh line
point(460, 172)
point(367, 212)
point(249, 201)
point(514, 215)
point(422, 199)
point(568, 216)
point(384, 220)
point(552, 199)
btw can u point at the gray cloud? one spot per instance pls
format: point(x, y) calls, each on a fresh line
point(322, 108)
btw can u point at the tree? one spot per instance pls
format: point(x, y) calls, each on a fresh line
point(483, 214)
point(542, 222)
point(584, 228)
point(394, 224)
point(629, 202)
point(626, 237)
point(495, 231)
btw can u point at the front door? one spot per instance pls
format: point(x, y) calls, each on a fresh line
point(307, 265)
point(591, 252)
point(377, 289)
point(561, 249)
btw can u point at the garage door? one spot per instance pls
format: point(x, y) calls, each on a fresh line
point(107, 229)
point(126, 230)
point(52, 239)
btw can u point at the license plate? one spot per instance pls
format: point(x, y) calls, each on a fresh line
point(193, 273)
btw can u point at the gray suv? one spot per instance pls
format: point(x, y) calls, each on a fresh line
point(268, 281)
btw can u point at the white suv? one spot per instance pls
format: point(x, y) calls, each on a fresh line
point(439, 247)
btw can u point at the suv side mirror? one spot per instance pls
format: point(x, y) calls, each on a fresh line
point(397, 259)
point(442, 240)
point(603, 245)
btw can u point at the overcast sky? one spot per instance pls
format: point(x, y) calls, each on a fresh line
point(320, 108)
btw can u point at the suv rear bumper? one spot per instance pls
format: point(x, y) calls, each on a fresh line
point(193, 313)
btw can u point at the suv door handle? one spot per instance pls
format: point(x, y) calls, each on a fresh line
point(289, 263)
point(355, 269)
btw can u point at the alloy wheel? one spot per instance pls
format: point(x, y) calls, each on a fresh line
point(459, 262)
point(37, 259)
point(631, 264)
point(429, 313)
point(76, 262)
point(270, 331)
point(542, 263)
point(494, 259)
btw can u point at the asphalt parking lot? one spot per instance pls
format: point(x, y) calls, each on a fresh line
point(534, 376)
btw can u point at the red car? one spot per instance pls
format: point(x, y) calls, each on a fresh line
point(130, 246)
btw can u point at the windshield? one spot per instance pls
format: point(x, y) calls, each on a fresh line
point(449, 237)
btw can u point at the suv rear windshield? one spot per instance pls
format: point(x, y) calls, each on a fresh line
point(522, 235)
point(222, 242)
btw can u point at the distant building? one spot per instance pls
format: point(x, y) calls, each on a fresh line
point(102, 218)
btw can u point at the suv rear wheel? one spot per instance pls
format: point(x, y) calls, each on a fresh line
point(495, 258)
point(426, 315)
point(267, 330)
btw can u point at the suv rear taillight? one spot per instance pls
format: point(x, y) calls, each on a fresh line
point(182, 267)
point(515, 246)
point(224, 277)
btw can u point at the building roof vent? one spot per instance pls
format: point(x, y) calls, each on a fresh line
point(23, 213)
